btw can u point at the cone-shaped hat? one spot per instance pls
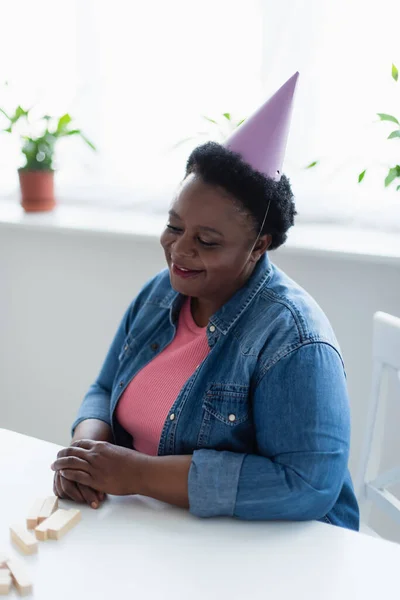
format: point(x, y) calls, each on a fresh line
point(261, 139)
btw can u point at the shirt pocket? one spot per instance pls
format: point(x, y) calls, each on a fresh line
point(226, 423)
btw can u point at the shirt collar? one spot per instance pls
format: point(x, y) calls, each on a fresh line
point(230, 312)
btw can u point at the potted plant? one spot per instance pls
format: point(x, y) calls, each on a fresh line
point(393, 172)
point(36, 176)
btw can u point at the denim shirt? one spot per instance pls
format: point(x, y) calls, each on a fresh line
point(265, 416)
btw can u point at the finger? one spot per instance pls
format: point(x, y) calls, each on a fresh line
point(70, 490)
point(79, 477)
point(91, 497)
point(86, 444)
point(71, 462)
point(74, 451)
point(57, 489)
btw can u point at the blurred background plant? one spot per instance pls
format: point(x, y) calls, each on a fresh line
point(38, 135)
point(394, 171)
point(218, 129)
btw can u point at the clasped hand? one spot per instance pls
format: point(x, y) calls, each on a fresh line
point(100, 466)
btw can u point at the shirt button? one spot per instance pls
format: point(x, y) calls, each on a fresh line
point(126, 348)
point(154, 346)
point(232, 418)
point(171, 417)
point(121, 384)
point(211, 328)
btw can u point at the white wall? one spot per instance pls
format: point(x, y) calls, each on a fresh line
point(62, 295)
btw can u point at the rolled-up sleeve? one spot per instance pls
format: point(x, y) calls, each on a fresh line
point(302, 427)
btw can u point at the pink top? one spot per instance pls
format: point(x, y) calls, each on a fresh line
point(144, 406)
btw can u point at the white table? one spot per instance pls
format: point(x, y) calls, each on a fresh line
point(138, 548)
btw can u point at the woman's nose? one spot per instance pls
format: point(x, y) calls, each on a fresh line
point(183, 246)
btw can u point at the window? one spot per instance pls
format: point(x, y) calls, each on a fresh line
point(139, 76)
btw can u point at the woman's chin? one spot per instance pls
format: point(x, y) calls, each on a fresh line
point(187, 287)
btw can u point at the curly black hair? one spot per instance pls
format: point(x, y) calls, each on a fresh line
point(217, 165)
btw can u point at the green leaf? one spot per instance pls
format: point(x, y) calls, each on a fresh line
point(19, 112)
point(65, 132)
point(361, 176)
point(88, 142)
point(227, 116)
point(63, 123)
point(393, 173)
point(390, 177)
point(398, 188)
point(385, 117)
point(240, 122)
point(394, 134)
point(312, 164)
point(210, 120)
point(3, 112)
point(39, 152)
point(395, 72)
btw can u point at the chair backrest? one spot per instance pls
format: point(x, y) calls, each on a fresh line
point(372, 486)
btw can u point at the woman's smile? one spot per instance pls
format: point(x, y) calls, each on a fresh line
point(184, 272)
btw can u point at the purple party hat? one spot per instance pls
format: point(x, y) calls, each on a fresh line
point(261, 139)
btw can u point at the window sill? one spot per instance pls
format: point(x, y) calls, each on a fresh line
point(78, 219)
point(310, 239)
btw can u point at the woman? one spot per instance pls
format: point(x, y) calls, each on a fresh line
point(224, 389)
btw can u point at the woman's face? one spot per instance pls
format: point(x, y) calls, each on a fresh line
point(208, 242)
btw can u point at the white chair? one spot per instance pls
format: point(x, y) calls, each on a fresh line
point(372, 487)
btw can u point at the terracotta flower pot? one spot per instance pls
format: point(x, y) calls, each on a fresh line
point(37, 190)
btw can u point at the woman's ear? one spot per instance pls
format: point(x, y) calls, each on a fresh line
point(262, 245)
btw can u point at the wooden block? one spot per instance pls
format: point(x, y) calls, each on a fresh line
point(5, 581)
point(3, 560)
point(32, 519)
point(63, 523)
point(23, 539)
point(5, 586)
point(20, 577)
point(57, 524)
point(49, 506)
point(41, 530)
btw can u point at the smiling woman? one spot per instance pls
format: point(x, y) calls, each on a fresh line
point(224, 389)
point(214, 222)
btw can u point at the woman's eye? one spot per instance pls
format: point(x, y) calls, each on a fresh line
point(207, 244)
point(174, 229)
